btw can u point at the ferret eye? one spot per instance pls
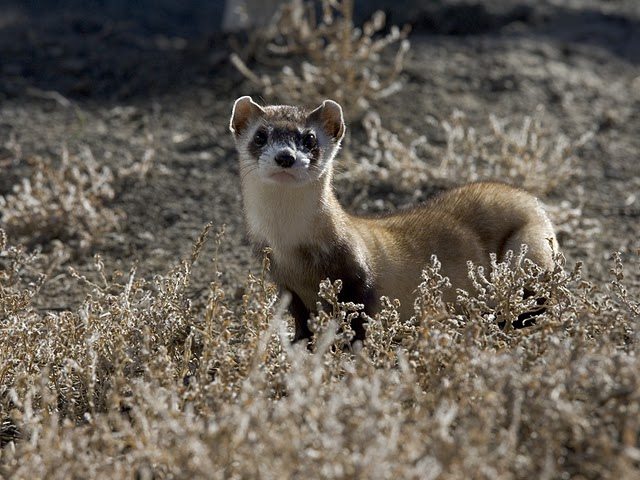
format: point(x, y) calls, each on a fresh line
point(310, 141)
point(260, 138)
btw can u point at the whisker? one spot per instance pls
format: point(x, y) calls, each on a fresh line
point(340, 168)
point(246, 170)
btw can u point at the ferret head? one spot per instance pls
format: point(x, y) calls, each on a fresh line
point(286, 145)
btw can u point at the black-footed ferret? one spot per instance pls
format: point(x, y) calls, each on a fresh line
point(286, 166)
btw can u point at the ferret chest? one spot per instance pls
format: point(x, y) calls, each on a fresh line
point(303, 268)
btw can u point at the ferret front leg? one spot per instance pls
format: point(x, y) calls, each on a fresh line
point(359, 291)
point(301, 316)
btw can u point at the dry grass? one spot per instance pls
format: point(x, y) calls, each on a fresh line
point(138, 382)
point(522, 153)
point(525, 152)
point(63, 199)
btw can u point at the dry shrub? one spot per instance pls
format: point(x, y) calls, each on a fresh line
point(337, 59)
point(138, 381)
point(528, 155)
point(385, 158)
point(15, 294)
point(65, 201)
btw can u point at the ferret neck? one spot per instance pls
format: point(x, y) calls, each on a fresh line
point(286, 217)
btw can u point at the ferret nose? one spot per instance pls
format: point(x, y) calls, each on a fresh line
point(285, 159)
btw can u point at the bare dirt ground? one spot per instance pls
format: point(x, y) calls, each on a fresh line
point(130, 93)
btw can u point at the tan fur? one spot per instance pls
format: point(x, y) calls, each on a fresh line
point(466, 223)
point(312, 237)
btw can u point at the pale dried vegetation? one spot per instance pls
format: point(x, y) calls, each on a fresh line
point(140, 382)
point(63, 198)
point(522, 153)
point(137, 382)
point(336, 59)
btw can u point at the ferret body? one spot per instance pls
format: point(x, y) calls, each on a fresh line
point(286, 164)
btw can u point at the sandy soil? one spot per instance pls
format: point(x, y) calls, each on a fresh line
point(125, 90)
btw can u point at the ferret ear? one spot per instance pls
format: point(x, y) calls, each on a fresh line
point(244, 110)
point(329, 116)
